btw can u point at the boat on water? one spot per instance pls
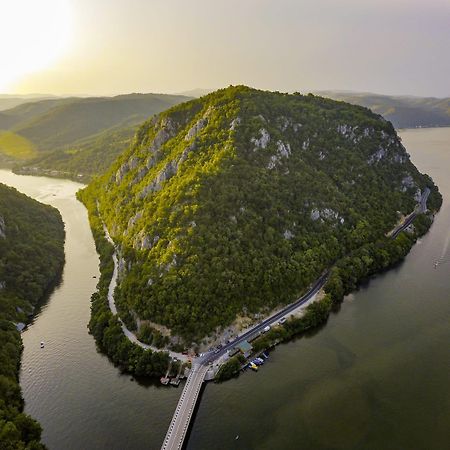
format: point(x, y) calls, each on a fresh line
point(253, 366)
point(42, 344)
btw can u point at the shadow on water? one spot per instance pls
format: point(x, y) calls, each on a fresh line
point(49, 291)
point(193, 417)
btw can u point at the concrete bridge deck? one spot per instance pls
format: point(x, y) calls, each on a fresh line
point(183, 412)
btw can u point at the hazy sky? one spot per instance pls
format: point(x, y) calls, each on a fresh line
point(118, 46)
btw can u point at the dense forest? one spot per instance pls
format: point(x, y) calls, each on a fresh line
point(74, 137)
point(232, 204)
point(31, 260)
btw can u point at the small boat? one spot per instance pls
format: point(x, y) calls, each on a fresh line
point(265, 355)
point(236, 438)
point(42, 344)
point(253, 366)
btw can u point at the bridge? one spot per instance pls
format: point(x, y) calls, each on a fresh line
point(181, 419)
point(183, 413)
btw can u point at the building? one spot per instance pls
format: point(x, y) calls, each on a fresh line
point(245, 348)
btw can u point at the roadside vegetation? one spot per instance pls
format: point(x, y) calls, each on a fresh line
point(106, 328)
point(31, 260)
point(345, 277)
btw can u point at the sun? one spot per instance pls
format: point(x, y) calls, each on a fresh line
point(33, 34)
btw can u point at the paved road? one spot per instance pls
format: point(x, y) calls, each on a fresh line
point(112, 306)
point(210, 357)
point(180, 422)
point(181, 419)
point(420, 208)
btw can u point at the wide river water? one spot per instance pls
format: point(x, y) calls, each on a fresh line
point(375, 377)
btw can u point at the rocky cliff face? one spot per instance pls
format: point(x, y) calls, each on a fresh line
point(2, 228)
point(238, 200)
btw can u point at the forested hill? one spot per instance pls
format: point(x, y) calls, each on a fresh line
point(31, 259)
point(403, 112)
point(75, 135)
point(234, 203)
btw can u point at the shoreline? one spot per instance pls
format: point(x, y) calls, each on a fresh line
point(316, 313)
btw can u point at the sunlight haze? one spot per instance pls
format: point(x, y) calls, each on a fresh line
point(118, 46)
point(33, 34)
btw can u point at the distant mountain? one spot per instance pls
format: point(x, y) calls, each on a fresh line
point(63, 131)
point(196, 93)
point(232, 204)
point(87, 157)
point(10, 101)
point(402, 111)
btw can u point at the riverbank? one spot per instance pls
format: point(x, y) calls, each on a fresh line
point(31, 261)
point(124, 349)
point(379, 364)
point(112, 306)
point(107, 328)
point(345, 277)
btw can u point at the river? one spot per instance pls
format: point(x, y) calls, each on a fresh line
point(375, 377)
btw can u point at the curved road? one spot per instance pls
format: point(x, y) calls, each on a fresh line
point(112, 306)
point(420, 208)
point(210, 357)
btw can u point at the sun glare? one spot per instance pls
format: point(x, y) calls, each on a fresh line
point(33, 34)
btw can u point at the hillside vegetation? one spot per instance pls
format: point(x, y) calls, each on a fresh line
point(232, 204)
point(403, 112)
point(31, 259)
point(79, 135)
point(14, 146)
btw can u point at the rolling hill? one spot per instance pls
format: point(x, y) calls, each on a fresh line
point(8, 101)
point(70, 126)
